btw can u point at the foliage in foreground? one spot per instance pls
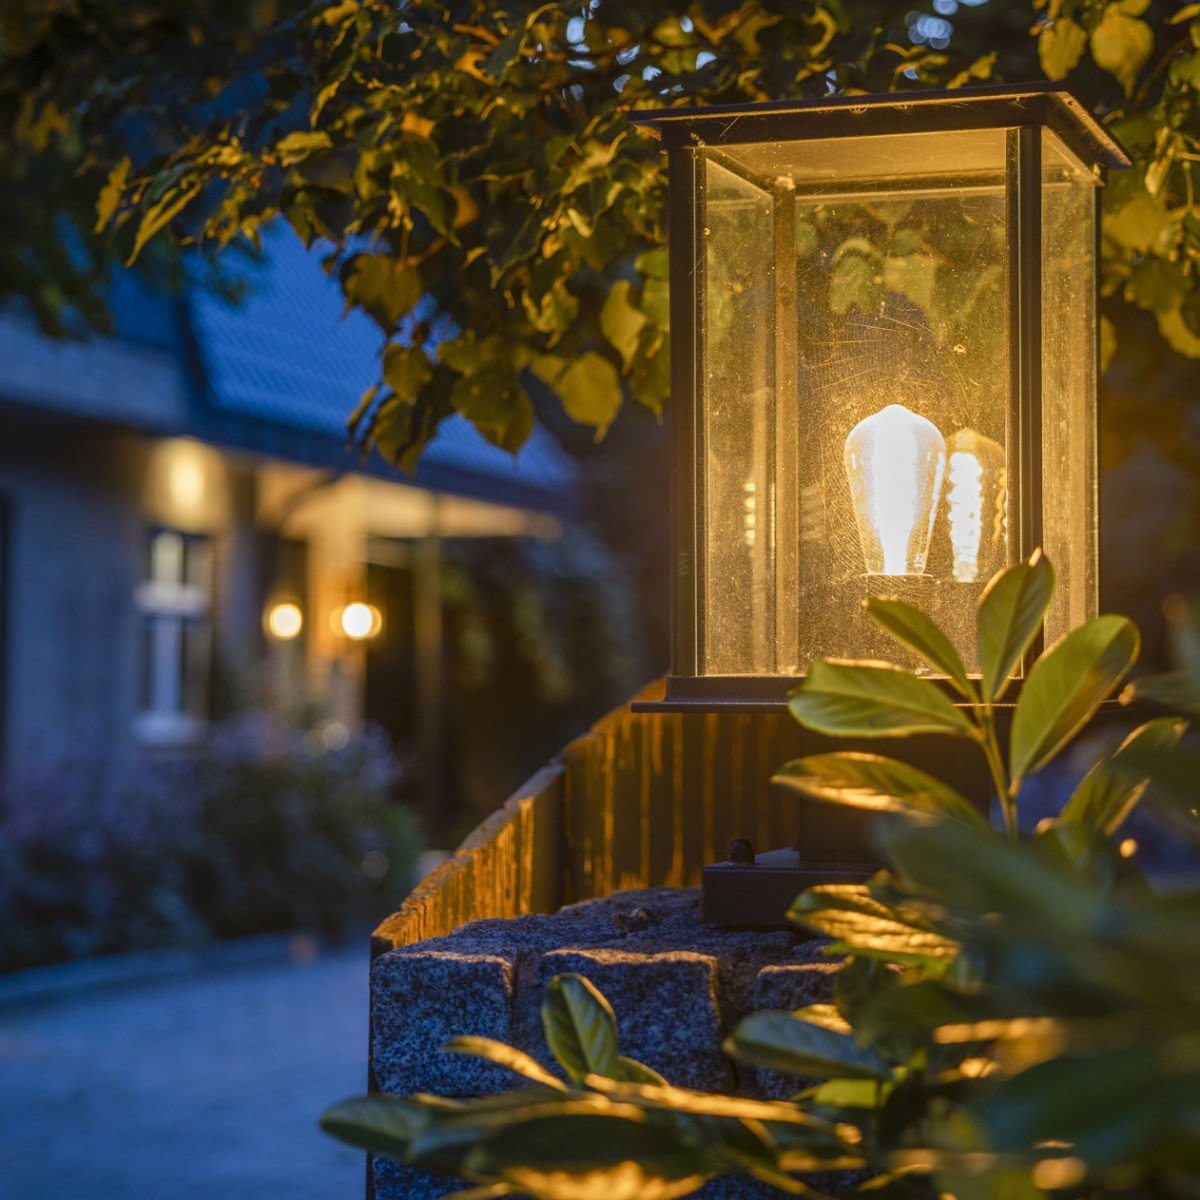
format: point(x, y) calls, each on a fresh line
point(479, 156)
point(1016, 1014)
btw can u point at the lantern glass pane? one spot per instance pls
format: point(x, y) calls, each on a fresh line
point(855, 392)
point(1068, 384)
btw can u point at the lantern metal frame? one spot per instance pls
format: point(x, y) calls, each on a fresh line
point(687, 134)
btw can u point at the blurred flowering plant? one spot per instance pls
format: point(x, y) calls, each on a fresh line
point(266, 828)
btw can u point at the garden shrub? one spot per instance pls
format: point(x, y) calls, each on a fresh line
point(266, 828)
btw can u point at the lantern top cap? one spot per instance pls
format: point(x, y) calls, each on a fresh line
point(998, 106)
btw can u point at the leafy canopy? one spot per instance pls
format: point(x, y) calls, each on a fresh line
point(469, 173)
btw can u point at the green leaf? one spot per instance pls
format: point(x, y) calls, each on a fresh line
point(622, 322)
point(850, 699)
point(496, 404)
point(109, 199)
point(406, 370)
point(590, 391)
point(632, 1071)
point(1174, 790)
point(654, 263)
point(381, 1124)
point(912, 628)
point(1110, 790)
point(873, 782)
point(1179, 690)
point(1011, 610)
point(785, 1042)
point(507, 1056)
point(581, 1029)
point(298, 146)
point(1121, 44)
point(1066, 686)
point(579, 1157)
point(870, 928)
point(381, 285)
point(158, 216)
point(1060, 45)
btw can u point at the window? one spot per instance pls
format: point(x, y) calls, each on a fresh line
point(175, 603)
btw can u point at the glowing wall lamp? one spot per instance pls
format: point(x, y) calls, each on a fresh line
point(284, 621)
point(883, 357)
point(358, 621)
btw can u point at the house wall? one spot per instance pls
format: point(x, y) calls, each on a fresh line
point(81, 502)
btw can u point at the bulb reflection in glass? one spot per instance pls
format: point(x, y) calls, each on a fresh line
point(894, 461)
point(976, 500)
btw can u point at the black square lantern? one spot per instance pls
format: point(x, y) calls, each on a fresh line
point(883, 368)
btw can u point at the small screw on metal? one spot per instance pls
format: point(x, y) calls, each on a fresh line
point(741, 851)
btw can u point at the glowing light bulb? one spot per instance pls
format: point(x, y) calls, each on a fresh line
point(285, 621)
point(977, 500)
point(895, 461)
point(360, 621)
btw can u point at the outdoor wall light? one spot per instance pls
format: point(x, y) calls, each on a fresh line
point(883, 370)
point(284, 621)
point(359, 621)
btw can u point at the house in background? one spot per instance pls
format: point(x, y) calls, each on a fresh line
point(183, 530)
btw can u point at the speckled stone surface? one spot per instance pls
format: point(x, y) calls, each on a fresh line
point(677, 987)
point(421, 998)
point(787, 987)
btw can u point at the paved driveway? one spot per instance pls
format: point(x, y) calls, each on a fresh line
point(205, 1086)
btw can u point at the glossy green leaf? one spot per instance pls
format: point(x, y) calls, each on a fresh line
point(1174, 785)
point(866, 926)
point(601, 1156)
point(1011, 610)
point(851, 699)
point(912, 628)
point(504, 1055)
point(1179, 690)
point(784, 1042)
point(873, 782)
point(580, 1027)
point(381, 1124)
point(1066, 686)
point(632, 1071)
point(1110, 790)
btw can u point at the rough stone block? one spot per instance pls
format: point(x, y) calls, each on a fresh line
point(395, 1181)
point(666, 1007)
point(736, 1187)
point(420, 999)
point(785, 988)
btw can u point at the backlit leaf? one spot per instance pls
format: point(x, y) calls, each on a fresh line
point(851, 699)
point(590, 391)
point(504, 1055)
point(580, 1028)
point(912, 628)
point(876, 783)
point(1066, 686)
point(1010, 614)
point(785, 1042)
point(1110, 790)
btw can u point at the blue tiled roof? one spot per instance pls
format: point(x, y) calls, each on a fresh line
point(284, 362)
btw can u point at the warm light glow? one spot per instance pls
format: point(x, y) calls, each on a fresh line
point(895, 461)
point(976, 498)
point(359, 621)
point(284, 621)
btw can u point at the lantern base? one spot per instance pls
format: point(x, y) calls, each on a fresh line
point(758, 894)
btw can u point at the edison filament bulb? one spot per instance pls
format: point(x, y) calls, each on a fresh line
point(976, 504)
point(894, 461)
